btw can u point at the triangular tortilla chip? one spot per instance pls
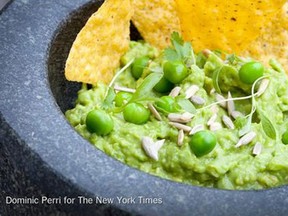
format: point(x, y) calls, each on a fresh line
point(225, 25)
point(96, 52)
point(273, 43)
point(156, 20)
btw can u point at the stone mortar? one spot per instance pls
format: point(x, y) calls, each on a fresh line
point(42, 155)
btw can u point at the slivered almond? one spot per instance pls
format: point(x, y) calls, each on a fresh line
point(228, 122)
point(247, 138)
point(257, 149)
point(221, 98)
point(181, 126)
point(191, 91)
point(212, 119)
point(196, 129)
point(154, 111)
point(215, 126)
point(152, 148)
point(263, 86)
point(230, 104)
point(180, 139)
point(124, 89)
point(175, 91)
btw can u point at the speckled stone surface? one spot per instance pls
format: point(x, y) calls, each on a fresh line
point(41, 154)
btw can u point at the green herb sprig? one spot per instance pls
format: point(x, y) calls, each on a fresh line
point(180, 51)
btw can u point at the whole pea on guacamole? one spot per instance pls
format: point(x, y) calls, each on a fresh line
point(201, 119)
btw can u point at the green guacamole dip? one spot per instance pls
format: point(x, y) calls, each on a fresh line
point(260, 161)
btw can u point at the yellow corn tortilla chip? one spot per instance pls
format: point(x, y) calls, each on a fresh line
point(96, 52)
point(156, 20)
point(225, 25)
point(273, 43)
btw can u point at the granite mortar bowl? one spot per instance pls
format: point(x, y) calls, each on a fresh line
point(41, 154)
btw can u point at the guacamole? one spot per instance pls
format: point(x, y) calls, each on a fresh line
point(208, 119)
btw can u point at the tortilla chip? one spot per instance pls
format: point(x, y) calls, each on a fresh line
point(96, 52)
point(273, 43)
point(156, 20)
point(225, 25)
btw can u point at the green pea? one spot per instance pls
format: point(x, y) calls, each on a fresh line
point(250, 72)
point(138, 66)
point(202, 143)
point(167, 104)
point(99, 122)
point(175, 71)
point(122, 98)
point(136, 113)
point(285, 137)
point(163, 86)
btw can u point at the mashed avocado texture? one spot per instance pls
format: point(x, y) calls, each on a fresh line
point(247, 120)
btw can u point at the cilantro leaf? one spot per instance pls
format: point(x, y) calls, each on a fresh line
point(177, 43)
point(176, 38)
point(180, 50)
point(171, 54)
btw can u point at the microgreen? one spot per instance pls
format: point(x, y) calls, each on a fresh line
point(226, 100)
point(108, 101)
point(146, 86)
point(120, 72)
point(237, 98)
point(225, 69)
point(186, 105)
point(276, 66)
point(110, 94)
point(215, 79)
point(267, 126)
point(246, 128)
